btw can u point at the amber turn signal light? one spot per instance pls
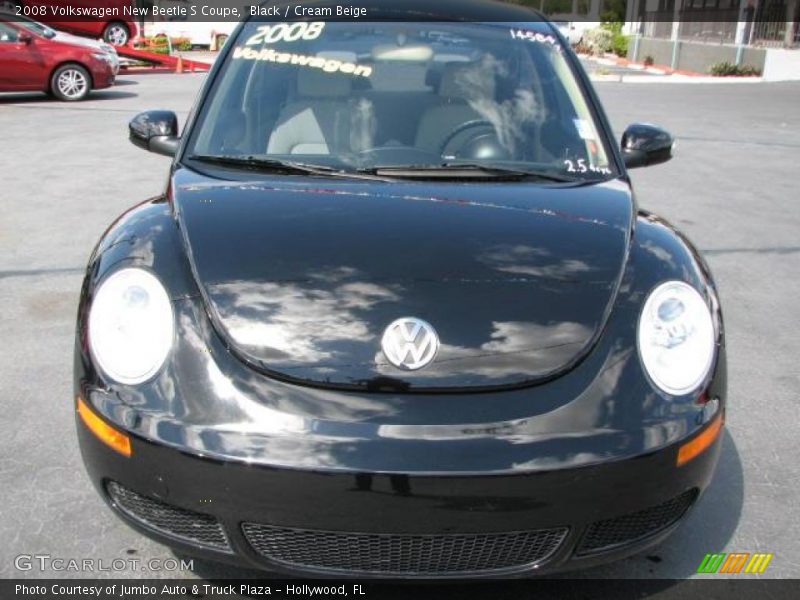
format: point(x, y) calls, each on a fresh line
point(691, 449)
point(107, 434)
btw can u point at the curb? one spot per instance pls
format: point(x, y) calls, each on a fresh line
point(663, 74)
point(705, 79)
point(681, 79)
point(617, 61)
point(605, 78)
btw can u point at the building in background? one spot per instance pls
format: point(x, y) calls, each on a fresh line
point(763, 23)
point(693, 35)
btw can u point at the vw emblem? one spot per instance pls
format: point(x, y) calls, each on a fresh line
point(410, 343)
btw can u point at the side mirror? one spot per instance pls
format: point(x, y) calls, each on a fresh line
point(155, 131)
point(644, 145)
point(24, 38)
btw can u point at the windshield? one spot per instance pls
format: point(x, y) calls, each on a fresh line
point(35, 27)
point(365, 96)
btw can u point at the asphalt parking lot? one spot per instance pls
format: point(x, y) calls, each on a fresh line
point(68, 171)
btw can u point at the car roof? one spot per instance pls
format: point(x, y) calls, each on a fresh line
point(426, 10)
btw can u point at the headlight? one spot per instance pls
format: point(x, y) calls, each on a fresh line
point(131, 326)
point(676, 337)
point(102, 56)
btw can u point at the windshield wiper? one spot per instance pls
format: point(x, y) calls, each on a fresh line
point(447, 170)
point(255, 163)
point(451, 170)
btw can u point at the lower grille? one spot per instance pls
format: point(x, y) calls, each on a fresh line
point(403, 554)
point(175, 522)
point(607, 534)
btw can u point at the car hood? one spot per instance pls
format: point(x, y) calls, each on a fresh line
point(84, 44)
point(302, 275)
point(74, 40)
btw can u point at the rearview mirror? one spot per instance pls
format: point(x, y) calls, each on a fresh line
point(644, 145)
point(155, 131)
point(24, 38)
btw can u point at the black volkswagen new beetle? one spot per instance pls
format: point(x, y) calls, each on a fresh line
point(397, 313)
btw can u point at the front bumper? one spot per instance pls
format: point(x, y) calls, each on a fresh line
point(103, 74)
point(329, 481)
point(393, 525)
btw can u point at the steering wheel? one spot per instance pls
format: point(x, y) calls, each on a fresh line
point(474, 124)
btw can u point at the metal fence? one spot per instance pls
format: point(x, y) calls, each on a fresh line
point(769, 27)
point(719, 26)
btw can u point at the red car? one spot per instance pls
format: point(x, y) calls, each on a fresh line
point(116, 30)
point(31, 61)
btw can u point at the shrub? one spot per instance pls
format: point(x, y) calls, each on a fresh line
point(612, 26)
point(749, 71)
point(161, 45)
point(728, 69)
point(182, 44)
point(649, 61)
point(158, 44)
point(598, 40)
point(606, 38)
point(582, 48)
point(618, 44)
